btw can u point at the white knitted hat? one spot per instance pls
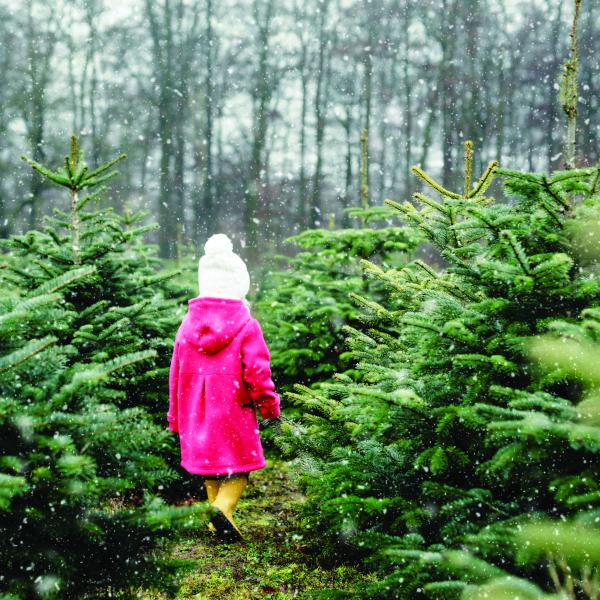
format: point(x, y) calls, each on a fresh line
point(221, 272)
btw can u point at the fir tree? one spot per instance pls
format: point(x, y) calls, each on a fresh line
point(83, 349)
point(130, 305)
point(405, 463)
point(569, 543)
point(306, 303)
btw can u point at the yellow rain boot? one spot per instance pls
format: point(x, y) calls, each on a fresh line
point(224, 504)
point(212, 489)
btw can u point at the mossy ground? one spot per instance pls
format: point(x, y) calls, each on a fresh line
point(272, 562)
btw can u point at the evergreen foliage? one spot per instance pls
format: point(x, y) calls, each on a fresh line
point(304, 304)
point(85, 333)
point(450, 440)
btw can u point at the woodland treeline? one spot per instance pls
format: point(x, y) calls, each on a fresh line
point(246, 116)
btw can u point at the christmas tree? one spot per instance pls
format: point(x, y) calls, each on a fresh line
point(408, 462)
point(550, 428)
point(85, 334)
point(305, 303)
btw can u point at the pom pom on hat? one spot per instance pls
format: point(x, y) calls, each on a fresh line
point(221, 272)
point(218, 243)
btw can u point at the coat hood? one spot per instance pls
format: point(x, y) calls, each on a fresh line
point(211, 323)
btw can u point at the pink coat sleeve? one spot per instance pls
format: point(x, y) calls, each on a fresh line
point(257, 371)
point(173, 381)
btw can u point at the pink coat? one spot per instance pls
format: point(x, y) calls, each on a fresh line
point(219, 374)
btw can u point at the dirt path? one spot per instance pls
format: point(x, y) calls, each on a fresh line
point(273, 562)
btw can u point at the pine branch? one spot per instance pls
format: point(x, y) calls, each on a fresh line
point(371, 305)
point(126, 360)
point(90, 197)
point(64, 280)
point(23, 309)
point(430, 202)
point(571, 174)
point(421, 323)
point(555, 195)
point(485, 180)
point(425, 267)
point(47, 173)
point(431, 183)
point(31, 349)
point(101, 169)
point(518, 251)
point(94, 181)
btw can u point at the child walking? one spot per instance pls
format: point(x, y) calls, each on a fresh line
point(220, 374)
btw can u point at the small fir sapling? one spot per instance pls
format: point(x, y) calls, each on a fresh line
point(82, 461)
point(402, 464)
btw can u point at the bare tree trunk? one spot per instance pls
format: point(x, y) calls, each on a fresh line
point(381, 163)
point(448, 85)
point(407, 84)
point(321, 99)
point(148, 130)
point(7, 63)
point(590, 142)
point(470, 117)
point(446, 38)
point(500, 116)
point(428, 130)
point(262, 98)
point(367, 60)
point(162, 46)
point(165, 211)
point(347, 123)
point(198, 117)
point(569, 93)
point(530, 142)
point(220, 154)
point(35, 107)
point(93, 10)
point(179, 172)
point(302, 187)
point(75, 102)
point(172, 64)
point(208, 196)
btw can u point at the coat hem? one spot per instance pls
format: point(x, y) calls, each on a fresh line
point(224, 470)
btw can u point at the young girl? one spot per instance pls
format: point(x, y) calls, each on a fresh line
point(220, 373)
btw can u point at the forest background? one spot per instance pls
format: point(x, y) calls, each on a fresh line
point(245, 117)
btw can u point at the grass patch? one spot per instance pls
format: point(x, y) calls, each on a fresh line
point(273, 562)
